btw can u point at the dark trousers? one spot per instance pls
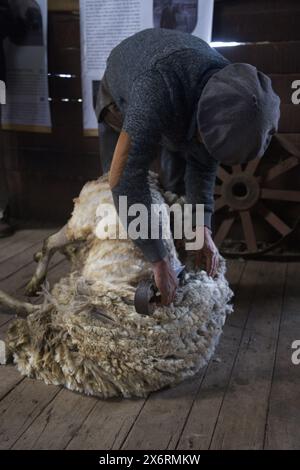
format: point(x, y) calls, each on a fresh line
point(172, 163)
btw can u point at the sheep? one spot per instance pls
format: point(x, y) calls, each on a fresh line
point(86, 334)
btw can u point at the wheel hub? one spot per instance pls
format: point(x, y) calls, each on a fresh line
point(241, 192)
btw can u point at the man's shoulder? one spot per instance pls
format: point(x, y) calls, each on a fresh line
point(153, 44)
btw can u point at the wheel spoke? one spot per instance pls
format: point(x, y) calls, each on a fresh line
point(237, 169)
point(248, 230)
point(280, 195)
point(252, 166)
point(219, 203)
point(218, 189)
point(223, 174)
point(224, 230)
point(288, 145)
point(270, 217)
point(282, 167)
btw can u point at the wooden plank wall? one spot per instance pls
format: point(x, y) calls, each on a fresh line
point(271, 30)
point(46, 171)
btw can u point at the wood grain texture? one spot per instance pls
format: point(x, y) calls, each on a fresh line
point(201, 422)
point(63, 5)
point(107, 425)
point(241, 423)
point(55, 427)
point(282, 430)
point(252, 21)
point(20, 407)
point(270, 58)
point(160, 422)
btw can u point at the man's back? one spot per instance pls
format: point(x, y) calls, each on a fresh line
point(170, 52)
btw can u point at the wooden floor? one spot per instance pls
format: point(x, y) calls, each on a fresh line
point(247, 398)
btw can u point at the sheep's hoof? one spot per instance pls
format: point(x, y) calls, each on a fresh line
point(38, 256)
point(33, 286)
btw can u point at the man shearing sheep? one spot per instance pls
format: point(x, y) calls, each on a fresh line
point(170, 90)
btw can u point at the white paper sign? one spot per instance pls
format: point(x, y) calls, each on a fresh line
point(27, 105)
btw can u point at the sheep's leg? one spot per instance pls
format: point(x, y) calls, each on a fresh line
point(70, 251)
point(22, 309)
point(55, 242)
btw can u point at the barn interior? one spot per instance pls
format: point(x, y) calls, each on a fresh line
point(247, 397)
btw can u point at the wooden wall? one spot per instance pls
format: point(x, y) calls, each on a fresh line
point(271, 29)
point(46, 171)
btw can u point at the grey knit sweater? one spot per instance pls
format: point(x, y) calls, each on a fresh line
point(156, 78)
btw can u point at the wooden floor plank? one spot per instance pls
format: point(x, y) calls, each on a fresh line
point(199, 428)
point(18, 235)
point(17, 260)
point(9, 378)
point(245, 296)
point(20, 407)
point(266, 314)
point(14, 264)
point(282, 430)
point(161, 420)
point(55, 427)
point(28, 238)
point(234, 272)
point(107, 426)
point(241, 423)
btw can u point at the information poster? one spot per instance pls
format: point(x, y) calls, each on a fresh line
point(105, 23)
point(27, 104)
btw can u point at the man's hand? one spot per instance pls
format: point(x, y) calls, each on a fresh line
point(209, 254)
point(165, 280)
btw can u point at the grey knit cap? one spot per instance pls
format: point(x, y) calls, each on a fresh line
point(238, 112)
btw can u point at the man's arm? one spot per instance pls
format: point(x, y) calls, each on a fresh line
point(145, 118)
point(129, 177)
point(135, 150)
point(200, 180)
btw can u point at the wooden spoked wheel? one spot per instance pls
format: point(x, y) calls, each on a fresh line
point(256, 207)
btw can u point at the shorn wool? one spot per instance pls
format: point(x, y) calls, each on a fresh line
point(86, 334)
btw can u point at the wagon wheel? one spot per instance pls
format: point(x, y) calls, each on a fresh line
point(255, 211)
